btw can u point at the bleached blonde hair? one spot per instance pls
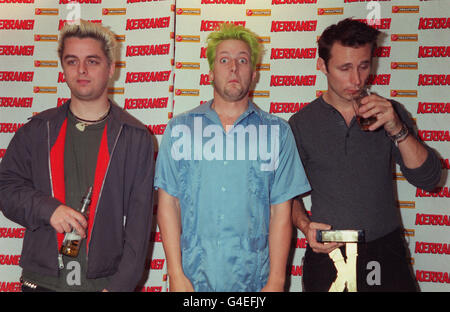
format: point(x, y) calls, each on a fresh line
point(85, 29)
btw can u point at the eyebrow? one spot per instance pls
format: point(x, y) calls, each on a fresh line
point(74, 56)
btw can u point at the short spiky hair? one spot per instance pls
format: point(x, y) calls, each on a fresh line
point(229, 31)
point(349, 33)
point(85, 29)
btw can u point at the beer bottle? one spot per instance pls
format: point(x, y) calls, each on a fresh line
point(72, 240)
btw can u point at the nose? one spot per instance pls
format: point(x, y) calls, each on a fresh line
point(234, 66)
point(82, 68)
point(356, 77)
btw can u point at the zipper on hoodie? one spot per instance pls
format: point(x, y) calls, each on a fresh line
point(101, 191)
point(60, 258)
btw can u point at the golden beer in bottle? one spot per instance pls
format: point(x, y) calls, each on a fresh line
point(72, 240)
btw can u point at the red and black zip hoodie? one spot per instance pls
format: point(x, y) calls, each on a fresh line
point(32, 187)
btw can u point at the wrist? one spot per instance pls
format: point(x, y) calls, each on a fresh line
point(399, 135)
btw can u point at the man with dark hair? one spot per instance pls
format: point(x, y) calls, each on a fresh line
point(350, 169)
point(61, 153)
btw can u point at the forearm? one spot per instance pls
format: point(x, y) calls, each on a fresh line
point(280, 235)
point(169, 223)
point(299, 216)
point(413, 153)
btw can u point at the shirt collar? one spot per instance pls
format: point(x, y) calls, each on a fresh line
point(205, 109)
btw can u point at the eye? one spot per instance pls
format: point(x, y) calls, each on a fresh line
point(92, 62)
point(223, 60)
point(243, 61)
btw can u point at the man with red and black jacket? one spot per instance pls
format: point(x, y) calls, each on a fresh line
point(54, 158)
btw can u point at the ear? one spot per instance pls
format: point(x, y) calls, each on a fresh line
point(322, 66)
point(112, 69)
point(211, 76)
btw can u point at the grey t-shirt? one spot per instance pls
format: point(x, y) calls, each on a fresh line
point(80, 159)
point(351, 171)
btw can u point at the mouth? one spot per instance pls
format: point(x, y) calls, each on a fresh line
point(83, 81)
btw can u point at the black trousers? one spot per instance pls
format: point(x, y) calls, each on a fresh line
point(382, 265)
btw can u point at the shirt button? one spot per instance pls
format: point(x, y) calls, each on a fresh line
point(223, 189)
point(225, 162)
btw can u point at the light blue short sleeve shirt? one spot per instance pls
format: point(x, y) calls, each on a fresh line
point(225, 182)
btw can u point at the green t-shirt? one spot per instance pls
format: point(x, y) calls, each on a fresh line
point(80, 159)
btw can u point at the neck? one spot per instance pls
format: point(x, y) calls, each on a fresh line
point(229, 109)
point(91, 111)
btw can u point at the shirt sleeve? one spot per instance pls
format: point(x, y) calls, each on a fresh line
point(426, 176)
point(290, 179)
point(166, 176)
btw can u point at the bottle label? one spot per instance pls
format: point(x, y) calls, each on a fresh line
point(72, 236)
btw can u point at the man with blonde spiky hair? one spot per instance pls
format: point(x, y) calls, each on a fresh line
point(225, 184)
point(58, 155)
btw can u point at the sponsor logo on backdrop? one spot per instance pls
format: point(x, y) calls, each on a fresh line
point(434, 80)
point(16, 101)
point(382, 52)
point(293, 53)
point(148, 50)
point(403, 93)
point(187, 92)
point(278, 2)
point(114, 11)
point(116, 90)
point(434, 51)
point(63, 22)
point(142, 77)
point(259, 94)
point(16, 24)
point(46, 11)
point(382, 23)
point(148, 23)
point(406, 204)
point(80, 1)
point(286, 107)
point(146, 103)
point(188, 11)
point(258, 12)
point(379, 79)
point(10, 286)
point(157, 129)
point(41, 63)
point(41, 89)
point(441, 192)
point(432, 276)
point(187, 65)
point(41, 37)
point(434, 23)
point(432, 248)
point(223, 2)
point(296, 270)
point(434, 135)
point(433, 108)
point(432, 219)
point(330, 11)
point(293, 26)
point(15, 76)
point(12, 232)
point(292, 80)
point(404, 37)
point(405, 9)
point(9, 259)
point(187, 38)
point(207, 25)
point(17, 1)
point(404, 65)
point(17, 50)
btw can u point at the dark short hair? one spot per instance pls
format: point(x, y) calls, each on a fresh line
point(349, 33)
